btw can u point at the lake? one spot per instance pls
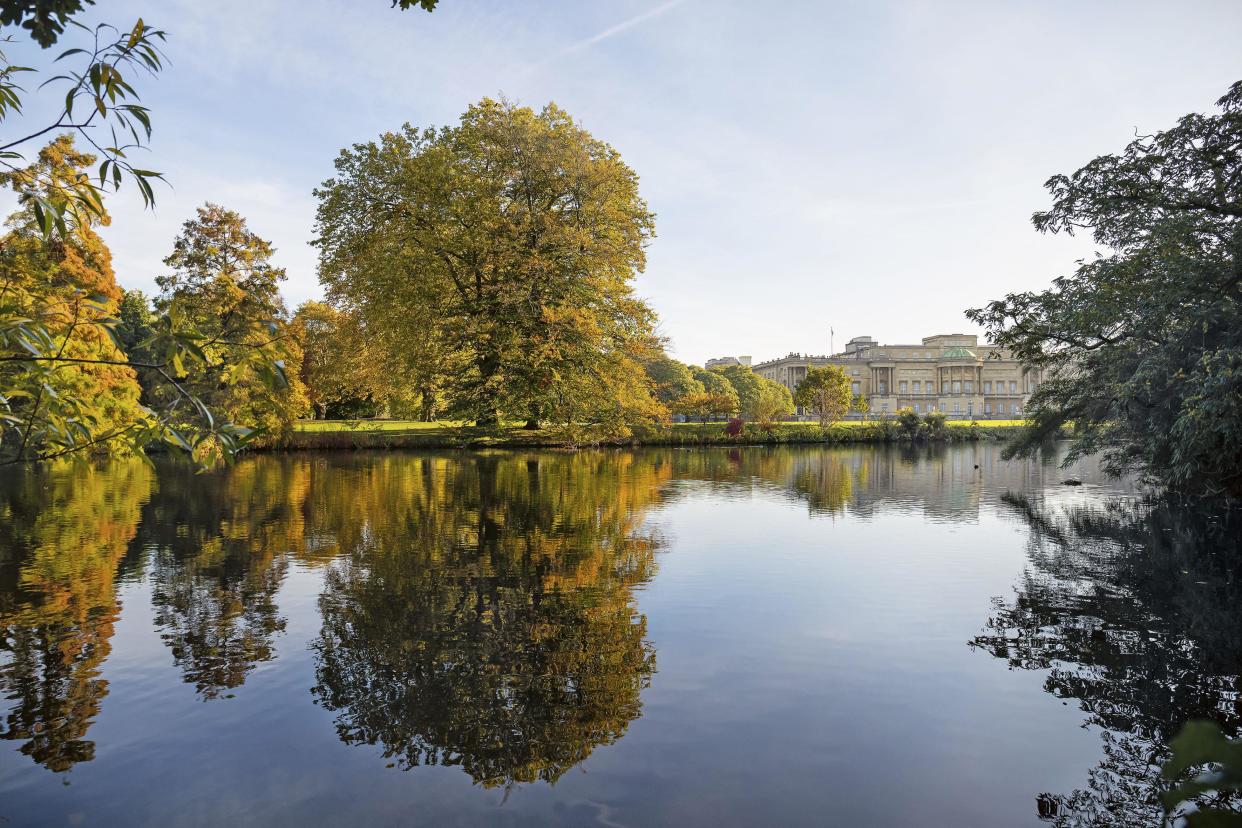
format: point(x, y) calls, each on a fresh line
point(785, 636)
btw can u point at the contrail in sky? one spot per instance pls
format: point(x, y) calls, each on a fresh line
point(611, 31)
point(625, 25)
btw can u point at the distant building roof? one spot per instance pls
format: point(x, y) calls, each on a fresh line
point(959, 353)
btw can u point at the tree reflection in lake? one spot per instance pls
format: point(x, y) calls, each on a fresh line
point(546, 547)
point(219, 547)
point(480, 610)
point(1132, 608)
point(491, 623)
point(63, 533)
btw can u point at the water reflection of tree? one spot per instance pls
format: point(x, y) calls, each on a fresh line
point(489, 623)
point(220, 547)
point(63, 533)
point(823, 480)
point(866, 480)
point(1133, 611)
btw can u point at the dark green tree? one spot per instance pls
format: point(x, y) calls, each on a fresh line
point(744, 382)
point(671, 380)
point(1141, 347)
point(714, 383)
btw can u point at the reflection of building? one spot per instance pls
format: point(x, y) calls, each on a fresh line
point(945, 483)
point(724, 362)
point(952, 373)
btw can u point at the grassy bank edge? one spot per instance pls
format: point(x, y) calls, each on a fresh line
point(387, 435)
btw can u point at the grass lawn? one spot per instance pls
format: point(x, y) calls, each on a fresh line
point(377, 426)
point(873, 420)
point(331, 426)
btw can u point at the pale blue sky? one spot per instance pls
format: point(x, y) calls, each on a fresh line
point(869, 166)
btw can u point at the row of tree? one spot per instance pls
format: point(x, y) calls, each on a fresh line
point(482, 272)
point(217, 341)
point(350, 370)
point(204, 370)
point(700, 394)
point(209, 347)
point(485, 271)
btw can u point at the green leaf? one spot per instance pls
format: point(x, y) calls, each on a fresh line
point(135, 36)
point(1198, 743)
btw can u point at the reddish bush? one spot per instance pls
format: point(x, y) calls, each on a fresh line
point(734, 427)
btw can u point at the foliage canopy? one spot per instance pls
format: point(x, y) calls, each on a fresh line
point(825, 391)
point(221, 281)
point(1141, 348)
point(500, 255)
point(67, 362)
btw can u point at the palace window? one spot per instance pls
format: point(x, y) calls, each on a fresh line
point(854, 387)
point(883, 388)
point(944, 388)
point(970, 387)
point(901, 386)
point(987, 386)
point(916, 408)
point(918, 387)
point(1013, 387)
point(957, 386)
point(987, 408)
point(957, 408)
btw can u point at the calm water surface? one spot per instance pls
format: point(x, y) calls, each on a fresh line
point(794, 636)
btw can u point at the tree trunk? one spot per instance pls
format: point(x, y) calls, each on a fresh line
point(428, 407)
point(489, 415)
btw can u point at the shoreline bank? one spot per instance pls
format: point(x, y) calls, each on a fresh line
point(366, 435)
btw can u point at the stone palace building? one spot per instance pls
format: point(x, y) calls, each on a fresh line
point(952, 373)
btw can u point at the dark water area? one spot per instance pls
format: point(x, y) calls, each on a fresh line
point(761, 636)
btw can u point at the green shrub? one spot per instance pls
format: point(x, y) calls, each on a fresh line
point(909, 423)
point(935, 422)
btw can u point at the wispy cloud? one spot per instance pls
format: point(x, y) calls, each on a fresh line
point(611, 31)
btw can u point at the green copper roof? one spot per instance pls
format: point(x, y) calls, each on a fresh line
point(959, 353)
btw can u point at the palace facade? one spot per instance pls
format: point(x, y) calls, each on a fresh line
point(952, 373)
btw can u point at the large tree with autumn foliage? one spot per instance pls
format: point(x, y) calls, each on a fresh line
point(500, 253)
point(87, 397)
point(66, 367)
point(221, 281)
